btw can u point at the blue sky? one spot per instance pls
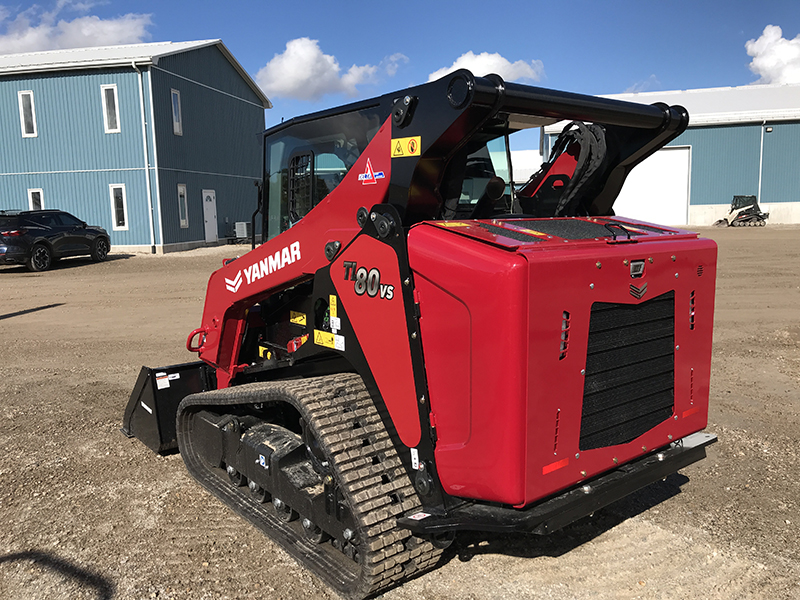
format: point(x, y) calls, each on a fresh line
point(312, 55)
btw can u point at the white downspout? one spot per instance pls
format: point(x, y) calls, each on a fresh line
point(146, 159)
point(761, 159)
point(155, 163)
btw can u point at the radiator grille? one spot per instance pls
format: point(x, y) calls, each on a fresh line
point(630, 363)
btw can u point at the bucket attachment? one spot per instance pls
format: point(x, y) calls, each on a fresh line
point(153, 405)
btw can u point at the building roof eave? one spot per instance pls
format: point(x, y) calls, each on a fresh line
point(112, 57)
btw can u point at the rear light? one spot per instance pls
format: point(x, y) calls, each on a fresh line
point(14, 232)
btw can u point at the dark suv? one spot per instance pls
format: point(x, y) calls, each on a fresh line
point(38, 237)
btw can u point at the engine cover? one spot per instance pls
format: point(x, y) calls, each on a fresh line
point(558, 349)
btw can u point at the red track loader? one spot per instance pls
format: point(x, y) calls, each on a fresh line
point(419, 347)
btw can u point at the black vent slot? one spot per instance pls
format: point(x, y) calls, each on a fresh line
point(630, 364)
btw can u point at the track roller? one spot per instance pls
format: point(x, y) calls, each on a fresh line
point(259, 494)
point(283, 510)
point(238, 479)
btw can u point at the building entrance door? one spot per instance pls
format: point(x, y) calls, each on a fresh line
point(210, 215)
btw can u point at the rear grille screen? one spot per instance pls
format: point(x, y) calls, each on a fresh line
point(630, 363)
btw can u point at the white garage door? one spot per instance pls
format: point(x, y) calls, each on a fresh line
point(657, 190)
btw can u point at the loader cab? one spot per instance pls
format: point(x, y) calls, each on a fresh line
point(478, 176)
point(479, 181)
point(462, 167)
point(306, 159)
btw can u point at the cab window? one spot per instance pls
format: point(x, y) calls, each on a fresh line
point(306, 162)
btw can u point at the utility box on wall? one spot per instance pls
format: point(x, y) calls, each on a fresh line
point(243, 230)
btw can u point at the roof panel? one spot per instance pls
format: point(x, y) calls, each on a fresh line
point(113, 56)
point(742, 104)
point(103, 56)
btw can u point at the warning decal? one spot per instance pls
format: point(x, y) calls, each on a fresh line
point(162, 381)
point(419, 516)
point(332, 304)
point(329, 340)
point(297, 318)
point(409, 146)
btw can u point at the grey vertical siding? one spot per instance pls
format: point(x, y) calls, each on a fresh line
point(781, 171)
point(85, 195)
point(210, 67)
point(220, 146)
point(69, 115)
point(236, 201)
point(724, 161)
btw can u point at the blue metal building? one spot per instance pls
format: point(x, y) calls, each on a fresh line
point(158, 143)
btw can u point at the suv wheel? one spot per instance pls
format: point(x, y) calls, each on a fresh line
point(100, 249)
point(41, 258)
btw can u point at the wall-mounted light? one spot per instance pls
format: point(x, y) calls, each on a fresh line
point(768, 130)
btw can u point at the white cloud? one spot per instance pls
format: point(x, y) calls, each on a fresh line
point(304, 72)
point(38, 29)
point(485, 63)
point(775, 59)
point(644, 85)
point(392, 63)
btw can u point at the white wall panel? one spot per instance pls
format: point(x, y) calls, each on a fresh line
point(657, 190)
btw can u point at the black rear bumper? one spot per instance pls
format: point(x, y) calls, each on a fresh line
point(554, 513)
point(13, 255)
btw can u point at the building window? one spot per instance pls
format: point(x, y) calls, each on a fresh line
point(119, 206)
point(35, 199)
point(183, 209)
point(27, 114)
point(177, 117)
point(110, 108)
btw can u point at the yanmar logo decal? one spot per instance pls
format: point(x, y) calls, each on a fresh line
point(232, 285)
point(269, 265)
point(638, 292)
point(370, 176)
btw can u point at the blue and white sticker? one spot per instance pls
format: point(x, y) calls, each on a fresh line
point(370, 175)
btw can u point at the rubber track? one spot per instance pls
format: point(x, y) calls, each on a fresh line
point(365, 464)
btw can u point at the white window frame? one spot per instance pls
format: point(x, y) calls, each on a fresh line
point(25, 134)
point(31, 192)
point(177, 116)
point(183, 199)
point(111, 188)
point(106, 125)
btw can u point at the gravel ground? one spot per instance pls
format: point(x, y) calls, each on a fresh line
point(88, 513)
